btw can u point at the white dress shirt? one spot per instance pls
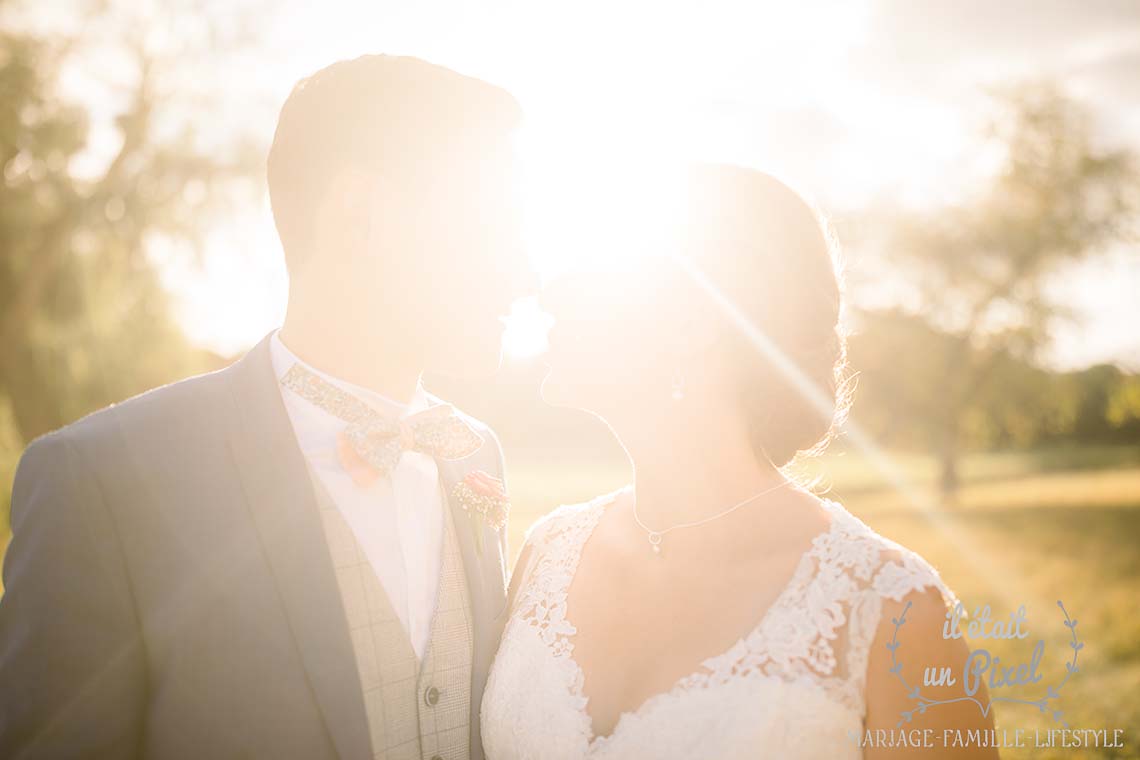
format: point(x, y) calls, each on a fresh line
point(397, 520)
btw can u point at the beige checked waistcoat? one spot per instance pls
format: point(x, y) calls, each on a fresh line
point(415, 710)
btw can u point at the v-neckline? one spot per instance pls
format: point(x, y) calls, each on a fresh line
point(593, 515)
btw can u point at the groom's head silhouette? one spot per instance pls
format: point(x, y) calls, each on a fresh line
point(392, 191)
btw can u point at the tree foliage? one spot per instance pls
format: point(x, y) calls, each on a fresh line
point(93, 187)
point(958, 365)
point(84, 319)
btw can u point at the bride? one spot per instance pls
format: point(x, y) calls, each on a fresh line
point(715, 608)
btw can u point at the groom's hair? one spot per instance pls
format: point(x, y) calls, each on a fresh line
point(400, 117)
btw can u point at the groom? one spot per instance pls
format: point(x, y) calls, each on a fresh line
point(302, 555)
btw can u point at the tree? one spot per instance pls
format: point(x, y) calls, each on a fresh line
point(979, 271)
point(84, 319)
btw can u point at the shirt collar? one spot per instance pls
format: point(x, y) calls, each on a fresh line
point(283, 359)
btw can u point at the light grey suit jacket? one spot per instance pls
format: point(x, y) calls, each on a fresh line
point(169, 592)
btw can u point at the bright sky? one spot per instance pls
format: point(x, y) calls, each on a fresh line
point(848, 100)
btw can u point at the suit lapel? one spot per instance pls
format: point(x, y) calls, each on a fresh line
point(486, 581)
point(485, 570)
point(450, 473)
point(280, 496)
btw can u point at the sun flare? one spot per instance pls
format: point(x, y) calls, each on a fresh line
point(587, 205)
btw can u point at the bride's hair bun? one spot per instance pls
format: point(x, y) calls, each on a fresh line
point(773, 257)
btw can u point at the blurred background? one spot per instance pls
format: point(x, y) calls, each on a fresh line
point(979, 161)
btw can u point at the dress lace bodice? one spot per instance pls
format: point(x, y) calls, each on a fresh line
point(792, 687)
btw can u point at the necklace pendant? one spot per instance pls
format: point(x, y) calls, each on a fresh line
point(655, 539)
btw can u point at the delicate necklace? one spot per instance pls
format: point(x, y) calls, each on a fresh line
point(657, 536)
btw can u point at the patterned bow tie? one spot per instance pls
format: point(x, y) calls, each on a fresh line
point(379, 441)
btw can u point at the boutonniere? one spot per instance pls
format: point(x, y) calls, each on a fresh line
point(483, 497)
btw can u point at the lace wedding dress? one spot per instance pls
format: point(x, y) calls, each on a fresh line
point(791, 688)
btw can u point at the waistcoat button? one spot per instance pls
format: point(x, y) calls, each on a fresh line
point(431, 696)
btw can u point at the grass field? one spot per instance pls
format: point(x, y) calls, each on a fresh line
point(1030, 529)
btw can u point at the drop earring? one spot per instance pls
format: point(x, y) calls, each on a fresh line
point(678, 386)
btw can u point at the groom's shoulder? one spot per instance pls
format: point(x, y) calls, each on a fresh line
point(162, 438)
point(160, 416)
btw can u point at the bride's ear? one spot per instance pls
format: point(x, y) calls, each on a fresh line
point(695, 323)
